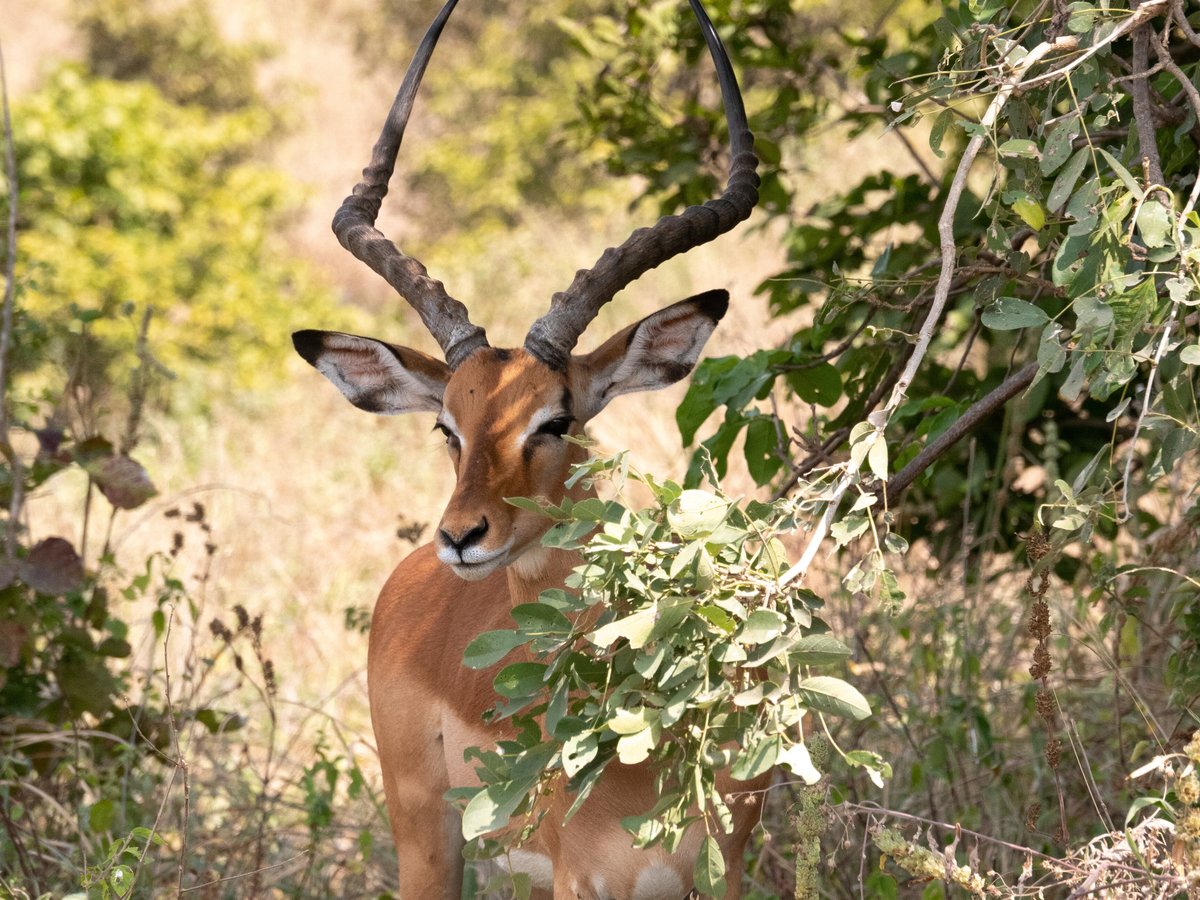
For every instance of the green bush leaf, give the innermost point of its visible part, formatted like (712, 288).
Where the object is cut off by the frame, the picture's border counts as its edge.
(709, 873)
(827, 694)
(1011, 313)
(820, 385)
(520, 680)
(491, 647)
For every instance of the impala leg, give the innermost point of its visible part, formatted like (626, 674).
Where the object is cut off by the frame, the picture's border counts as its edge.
(428, 843)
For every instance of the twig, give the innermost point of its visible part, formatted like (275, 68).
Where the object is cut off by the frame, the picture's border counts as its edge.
(1184, 25)
(1142, 14)
(258, 871)
(1147, 400)
(867, 809)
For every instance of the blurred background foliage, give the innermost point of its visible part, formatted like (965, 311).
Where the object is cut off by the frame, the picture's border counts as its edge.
(161, 616)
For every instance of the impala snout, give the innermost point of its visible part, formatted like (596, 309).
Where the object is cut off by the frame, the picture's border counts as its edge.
(465, 549)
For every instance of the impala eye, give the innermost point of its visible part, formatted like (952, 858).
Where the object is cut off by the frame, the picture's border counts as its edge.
(555, 427)
(451, 437)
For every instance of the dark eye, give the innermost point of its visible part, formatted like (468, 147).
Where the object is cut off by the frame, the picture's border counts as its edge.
(555, 427)
(451, 437)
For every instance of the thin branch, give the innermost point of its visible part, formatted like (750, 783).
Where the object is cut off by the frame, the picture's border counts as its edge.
(1143, 13)
(1143, 115)
(1184, 25)
(975, 414)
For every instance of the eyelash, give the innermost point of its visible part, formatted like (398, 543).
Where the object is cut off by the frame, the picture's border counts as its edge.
(451, 437)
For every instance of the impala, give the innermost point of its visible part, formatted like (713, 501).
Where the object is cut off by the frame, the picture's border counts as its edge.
(504, 413)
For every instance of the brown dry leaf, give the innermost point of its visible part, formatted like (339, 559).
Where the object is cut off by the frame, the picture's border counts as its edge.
(53, 567)
(122, 480)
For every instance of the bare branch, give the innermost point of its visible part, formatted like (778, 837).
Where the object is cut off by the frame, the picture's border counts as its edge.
(1143, 115)
(975, 414)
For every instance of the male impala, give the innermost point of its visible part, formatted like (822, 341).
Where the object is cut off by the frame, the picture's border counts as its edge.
(504, 413)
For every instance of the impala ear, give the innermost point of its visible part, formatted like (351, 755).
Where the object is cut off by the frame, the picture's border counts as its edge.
(378, 377)
(651, 354)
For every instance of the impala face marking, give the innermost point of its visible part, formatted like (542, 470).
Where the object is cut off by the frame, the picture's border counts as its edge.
(504, 414)
(498, 402)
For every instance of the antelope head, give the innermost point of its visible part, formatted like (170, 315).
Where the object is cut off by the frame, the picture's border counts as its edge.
(504, 412)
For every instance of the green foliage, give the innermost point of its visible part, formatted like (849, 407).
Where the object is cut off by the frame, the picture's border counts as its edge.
(674, 623)
(148, 243)
(131, 203)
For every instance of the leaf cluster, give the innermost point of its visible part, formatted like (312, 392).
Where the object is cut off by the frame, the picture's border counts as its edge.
(672, 643)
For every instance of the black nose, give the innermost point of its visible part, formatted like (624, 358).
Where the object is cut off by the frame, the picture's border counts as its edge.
(464, 540)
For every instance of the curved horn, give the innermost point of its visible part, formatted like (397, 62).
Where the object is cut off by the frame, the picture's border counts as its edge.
(553, 336)
(354, 222)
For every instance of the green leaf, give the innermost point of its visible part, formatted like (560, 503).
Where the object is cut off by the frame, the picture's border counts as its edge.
(761, 626)
(1051, 355)
(635, 628)
(1128, 180)
(697, 513)
(709, 873)
(1058, 145)
(818, 650)
(1092, 313)
(635, 748)
(937, 133)
(120, 879)
(1190, 355)
(799, 760)
(1154, 223)
(520, 680)
(718, 617)
(578, 751)
(101, 815)
(756, 759)
(631, 721)
(761, 449)
(1064, 184)
(1011, 313)
(1019, 147)
(493, 806)
(1031, 212)
(832, 695)
(540, 619)
(877, 458)
(1082, 18)
(491, 647)
(820, 385)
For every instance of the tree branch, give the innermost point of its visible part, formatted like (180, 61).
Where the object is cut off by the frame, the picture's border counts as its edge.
(1143, 114)
(975, 414)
